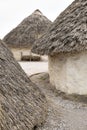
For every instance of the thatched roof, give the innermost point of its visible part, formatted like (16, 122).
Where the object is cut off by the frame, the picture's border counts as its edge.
(22, 104)
(68, 33)
(26, 33)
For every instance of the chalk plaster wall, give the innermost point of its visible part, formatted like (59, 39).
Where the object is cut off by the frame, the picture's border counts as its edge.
(68, 72)
(17, 52)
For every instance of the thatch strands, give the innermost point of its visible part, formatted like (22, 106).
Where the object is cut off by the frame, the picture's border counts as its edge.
(68, 33)
(30, 29)
(22, 104)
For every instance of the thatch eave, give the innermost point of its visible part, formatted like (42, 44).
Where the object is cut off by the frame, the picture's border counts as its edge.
(68, 33)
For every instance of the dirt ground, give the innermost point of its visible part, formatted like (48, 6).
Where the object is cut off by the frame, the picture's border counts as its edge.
(34, 67)
(63, 113)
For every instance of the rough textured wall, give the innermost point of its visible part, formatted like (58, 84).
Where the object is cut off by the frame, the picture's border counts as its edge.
(18, 52)
(68, 72)
(22, 105)
(44, 58)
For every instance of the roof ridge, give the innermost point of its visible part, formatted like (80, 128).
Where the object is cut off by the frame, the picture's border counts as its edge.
(38, 12)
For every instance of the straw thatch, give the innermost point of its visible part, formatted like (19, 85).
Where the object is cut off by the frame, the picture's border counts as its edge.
(68, 33)
(25, 34)
(22, 104)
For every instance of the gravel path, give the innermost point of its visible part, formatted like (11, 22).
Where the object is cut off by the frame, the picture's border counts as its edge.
(63, 114)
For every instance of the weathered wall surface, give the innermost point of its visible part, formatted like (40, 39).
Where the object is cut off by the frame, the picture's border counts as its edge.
(68, 72)
(44, 58)
(19, 52)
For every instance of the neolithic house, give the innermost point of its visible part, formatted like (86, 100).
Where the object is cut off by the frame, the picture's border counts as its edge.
(66, 45)
(21, 38)
(22, 105)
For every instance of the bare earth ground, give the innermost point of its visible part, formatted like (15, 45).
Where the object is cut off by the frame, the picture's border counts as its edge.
(34, 67)
(63, 114)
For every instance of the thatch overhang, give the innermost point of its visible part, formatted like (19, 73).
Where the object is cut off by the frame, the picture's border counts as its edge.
(22, 105)
(26, 33)
(68, 33)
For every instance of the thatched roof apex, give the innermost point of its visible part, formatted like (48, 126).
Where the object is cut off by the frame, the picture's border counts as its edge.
(68, 33)
(28, 31)
(37, 12)
(22, 104)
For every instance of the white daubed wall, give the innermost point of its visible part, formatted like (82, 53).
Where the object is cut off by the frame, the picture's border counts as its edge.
(68, 72)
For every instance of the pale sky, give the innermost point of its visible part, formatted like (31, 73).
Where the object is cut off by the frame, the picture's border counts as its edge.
(12, 12)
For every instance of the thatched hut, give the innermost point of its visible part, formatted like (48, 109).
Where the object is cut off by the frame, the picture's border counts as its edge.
(66, 45)
(21, 38)
(22, 104)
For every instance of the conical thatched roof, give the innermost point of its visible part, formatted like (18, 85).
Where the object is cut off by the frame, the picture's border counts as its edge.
(68, 33)
(25, 34)
(22, 105)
